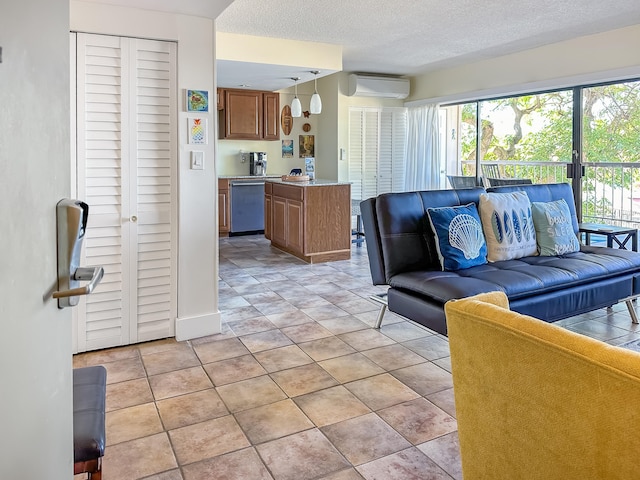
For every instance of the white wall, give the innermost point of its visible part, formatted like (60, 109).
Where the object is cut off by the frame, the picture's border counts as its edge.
(198, 313)
(35, 345)
(339, 126)
(605, 56)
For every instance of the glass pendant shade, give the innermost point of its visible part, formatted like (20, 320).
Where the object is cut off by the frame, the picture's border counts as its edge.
(296, 107)
(316, 104)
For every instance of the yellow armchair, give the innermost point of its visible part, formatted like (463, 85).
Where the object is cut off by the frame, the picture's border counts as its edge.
(536, 401)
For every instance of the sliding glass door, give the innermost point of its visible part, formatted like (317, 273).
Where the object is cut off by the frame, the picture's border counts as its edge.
(588, 136)
(610, 154)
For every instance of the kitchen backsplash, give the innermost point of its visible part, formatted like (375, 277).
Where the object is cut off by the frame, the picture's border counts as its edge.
(280, 158)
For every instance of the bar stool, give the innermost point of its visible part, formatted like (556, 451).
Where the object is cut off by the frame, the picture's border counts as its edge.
(358, 233)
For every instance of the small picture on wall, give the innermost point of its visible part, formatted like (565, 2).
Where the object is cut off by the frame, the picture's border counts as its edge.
(287, 148)
(197, 101)
(197, 131)
(306, 146)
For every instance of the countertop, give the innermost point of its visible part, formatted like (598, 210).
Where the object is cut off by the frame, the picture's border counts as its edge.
(264, 177)
(312, 183)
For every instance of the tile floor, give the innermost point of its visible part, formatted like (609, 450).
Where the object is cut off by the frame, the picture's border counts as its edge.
(297, 387)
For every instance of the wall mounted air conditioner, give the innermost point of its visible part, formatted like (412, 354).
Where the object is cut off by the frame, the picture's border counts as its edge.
(377, 86)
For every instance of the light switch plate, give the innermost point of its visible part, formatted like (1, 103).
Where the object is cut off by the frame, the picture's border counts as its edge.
(197, 160)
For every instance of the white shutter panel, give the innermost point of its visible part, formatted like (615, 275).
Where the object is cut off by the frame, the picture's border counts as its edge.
(398, 142)
(370, 153)
(126, 163)
(377, 150)
(154, 265)
(385, 158)
(356, 161)
(100, 120)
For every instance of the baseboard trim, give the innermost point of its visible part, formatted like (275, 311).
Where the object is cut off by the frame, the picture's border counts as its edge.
(200, 326)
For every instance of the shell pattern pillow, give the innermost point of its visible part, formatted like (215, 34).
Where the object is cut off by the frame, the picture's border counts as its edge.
(508, 225)
(459, 238)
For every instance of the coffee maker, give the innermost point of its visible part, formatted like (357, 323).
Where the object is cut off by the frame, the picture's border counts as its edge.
(258, 163)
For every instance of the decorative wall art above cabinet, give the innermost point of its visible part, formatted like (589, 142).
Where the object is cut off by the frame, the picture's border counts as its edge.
(248, 114)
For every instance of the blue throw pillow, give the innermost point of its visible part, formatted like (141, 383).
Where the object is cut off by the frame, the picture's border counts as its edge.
(459, 238)
(554, 229)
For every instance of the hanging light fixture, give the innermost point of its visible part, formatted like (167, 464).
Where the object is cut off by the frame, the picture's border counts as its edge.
(296, 106)
(316, 102)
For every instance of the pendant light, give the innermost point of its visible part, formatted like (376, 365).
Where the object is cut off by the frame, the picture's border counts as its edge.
(296, 106)
(316, 102)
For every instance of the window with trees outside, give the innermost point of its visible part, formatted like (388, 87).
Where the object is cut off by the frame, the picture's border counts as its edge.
(588, 136)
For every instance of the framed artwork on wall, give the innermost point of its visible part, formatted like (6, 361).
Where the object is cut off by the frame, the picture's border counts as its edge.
(287, 148)
(306, 145)
(197, 101)
(197, 131)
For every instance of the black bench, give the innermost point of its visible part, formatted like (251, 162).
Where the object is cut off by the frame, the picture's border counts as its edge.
(89, 398)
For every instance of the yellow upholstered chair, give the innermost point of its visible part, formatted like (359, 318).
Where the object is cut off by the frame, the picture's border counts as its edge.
(536, 401)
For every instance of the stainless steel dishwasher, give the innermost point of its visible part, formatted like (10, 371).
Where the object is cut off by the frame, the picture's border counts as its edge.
(247, 206)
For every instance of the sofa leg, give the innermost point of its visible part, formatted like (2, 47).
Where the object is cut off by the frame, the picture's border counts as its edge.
(632, 311)
(382, 300)
(383, 309)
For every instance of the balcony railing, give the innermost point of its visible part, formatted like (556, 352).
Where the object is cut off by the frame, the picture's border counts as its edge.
(610, 191)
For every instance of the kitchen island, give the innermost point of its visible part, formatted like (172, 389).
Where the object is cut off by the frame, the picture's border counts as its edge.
(311, 220)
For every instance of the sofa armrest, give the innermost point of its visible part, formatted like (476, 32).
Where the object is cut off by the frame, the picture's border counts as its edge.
(372, 238)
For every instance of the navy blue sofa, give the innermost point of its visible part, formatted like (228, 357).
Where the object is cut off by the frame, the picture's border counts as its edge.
(402, 255)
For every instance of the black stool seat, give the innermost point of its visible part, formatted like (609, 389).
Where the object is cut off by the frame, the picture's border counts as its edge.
(89, 398)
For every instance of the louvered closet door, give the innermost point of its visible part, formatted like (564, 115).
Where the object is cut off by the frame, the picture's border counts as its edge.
(126, 156)
(363, 152)
(376, 150)
(391, 164)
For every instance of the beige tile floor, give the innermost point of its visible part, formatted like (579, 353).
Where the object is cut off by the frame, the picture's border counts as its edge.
(297, 387)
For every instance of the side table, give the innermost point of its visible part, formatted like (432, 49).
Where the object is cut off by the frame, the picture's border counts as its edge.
(620, 235)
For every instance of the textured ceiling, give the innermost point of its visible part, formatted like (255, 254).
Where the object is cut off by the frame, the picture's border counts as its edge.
(413, 36)
(401, 37)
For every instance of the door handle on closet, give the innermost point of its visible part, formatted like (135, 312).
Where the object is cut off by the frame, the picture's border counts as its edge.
(93, 274)
(134, 219)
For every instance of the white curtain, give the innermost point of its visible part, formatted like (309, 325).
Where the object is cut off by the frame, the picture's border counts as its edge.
(422, 148)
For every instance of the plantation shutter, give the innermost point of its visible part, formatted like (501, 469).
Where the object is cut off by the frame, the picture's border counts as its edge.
(376, 150)
(126, 156)
(156, 159)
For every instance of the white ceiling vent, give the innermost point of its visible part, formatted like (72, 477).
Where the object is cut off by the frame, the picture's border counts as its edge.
(377, 86)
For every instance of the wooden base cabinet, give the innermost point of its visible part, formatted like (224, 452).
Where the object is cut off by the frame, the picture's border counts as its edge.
(312, 222)
(224, 208)
(268, 222)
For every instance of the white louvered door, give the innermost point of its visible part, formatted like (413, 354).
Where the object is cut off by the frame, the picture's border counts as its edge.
(376, 150)
(126, 158)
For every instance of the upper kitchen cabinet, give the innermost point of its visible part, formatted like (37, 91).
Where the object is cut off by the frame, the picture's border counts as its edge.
(271, 112)
(249, 115)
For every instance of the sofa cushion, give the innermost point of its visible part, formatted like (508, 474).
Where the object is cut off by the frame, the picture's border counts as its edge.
(554, 230)
(459, 239)
(508, 226)
(521, 278)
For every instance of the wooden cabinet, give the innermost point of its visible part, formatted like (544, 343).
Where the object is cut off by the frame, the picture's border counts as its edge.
(249, 115)
(312, 222)
(295, 226)
(220, 99)
(271, 117)
(224, 208)
(268, 223)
